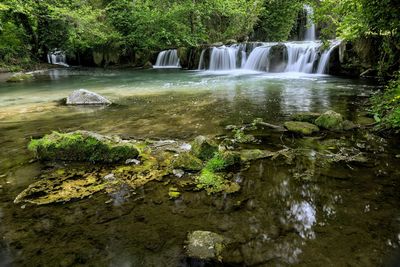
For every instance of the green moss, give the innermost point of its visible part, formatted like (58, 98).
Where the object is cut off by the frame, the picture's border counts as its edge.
(300, 127)
(203, 148)
(222, 161)
(81, 146)
(210, 181)
(188, 162)
(330, 120)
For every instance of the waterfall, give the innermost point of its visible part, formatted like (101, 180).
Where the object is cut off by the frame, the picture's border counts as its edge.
(201, 63)
(310, 32)
(57, 58)
(324, 60)
(168, 59)
(259, 59)
(302, 56)
(223, 58)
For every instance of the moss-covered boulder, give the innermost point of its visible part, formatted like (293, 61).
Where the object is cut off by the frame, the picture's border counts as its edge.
(203, 148)
(300, 127)
(330, 120)
(205, 245)
(82, 146)
(188, 162)
(20, 77)
(305, 117)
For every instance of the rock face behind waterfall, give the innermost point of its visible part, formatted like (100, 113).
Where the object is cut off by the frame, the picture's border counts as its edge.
(85, 97)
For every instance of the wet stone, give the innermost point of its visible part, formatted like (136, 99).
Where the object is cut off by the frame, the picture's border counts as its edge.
(299, 127)
(85, 97)
(203, 148)
(330, 120)
(205, 245)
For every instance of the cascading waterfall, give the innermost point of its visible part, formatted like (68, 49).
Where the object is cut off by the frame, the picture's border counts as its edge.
(324, 60)
(168, 59)
(310, 32)
(302, 56)
(305, 56)
(57, 58)
(258, 59)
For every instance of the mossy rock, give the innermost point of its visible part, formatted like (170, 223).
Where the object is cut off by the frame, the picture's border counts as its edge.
(205, 245)
(203, 148)
(188, 162)
(223, 161)
(20, 77)
(82, 146)
(254, 154)
(63, 185)
(305, 117)
(300, 127)
(330, 120)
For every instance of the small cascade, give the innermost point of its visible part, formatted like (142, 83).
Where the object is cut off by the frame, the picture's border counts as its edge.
(168, 59)
(258, 59)
(302, 56)
(201, 63)
(310, 34)
(57, 58)
(223, 58)
(326, 55)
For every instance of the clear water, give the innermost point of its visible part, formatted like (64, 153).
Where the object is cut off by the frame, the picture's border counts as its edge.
(349, 217)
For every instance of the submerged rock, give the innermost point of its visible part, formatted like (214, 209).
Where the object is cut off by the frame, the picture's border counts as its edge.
(254, 154)
(300, 127)
(20, 77)
(330, 120)
(203, 148)
(305, 117)
(85, 97)
(82, 146)
(63, 185)
(205, 245)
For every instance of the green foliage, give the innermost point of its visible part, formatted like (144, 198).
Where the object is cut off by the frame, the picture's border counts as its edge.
(386, 106)
(359, 19)
(277, 19)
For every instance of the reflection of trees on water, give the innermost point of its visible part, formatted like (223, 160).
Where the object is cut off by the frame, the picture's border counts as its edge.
(292, 207)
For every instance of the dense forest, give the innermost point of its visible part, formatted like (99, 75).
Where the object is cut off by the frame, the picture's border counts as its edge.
(105, 31)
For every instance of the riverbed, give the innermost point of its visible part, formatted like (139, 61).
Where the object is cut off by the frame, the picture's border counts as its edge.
(348, 216)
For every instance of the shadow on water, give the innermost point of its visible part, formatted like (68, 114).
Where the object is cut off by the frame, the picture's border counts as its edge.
(347, 216)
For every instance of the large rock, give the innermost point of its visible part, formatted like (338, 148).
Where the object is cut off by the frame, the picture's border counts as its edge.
(85, 97)
(203, 148)
(300, 127)
(330, 120)
(205, 245)
(82, 146)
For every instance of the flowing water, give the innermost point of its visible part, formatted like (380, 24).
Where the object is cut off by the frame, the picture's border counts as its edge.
(167, 59)
(347, 217)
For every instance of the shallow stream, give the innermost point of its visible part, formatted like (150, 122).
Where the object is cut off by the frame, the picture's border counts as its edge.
(348, 215)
